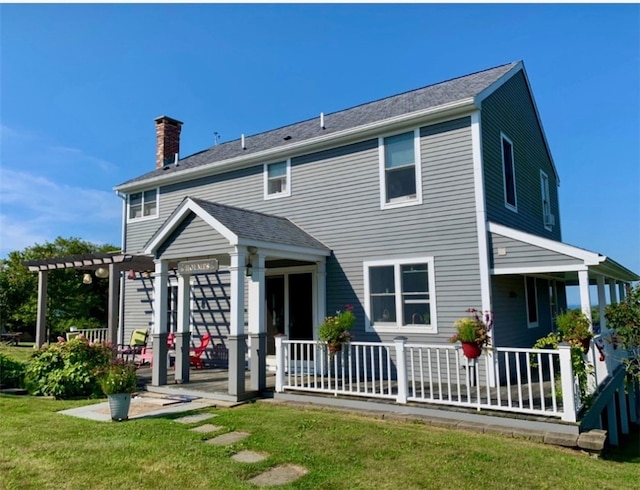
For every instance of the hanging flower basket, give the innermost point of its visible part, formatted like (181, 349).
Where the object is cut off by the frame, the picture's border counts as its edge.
(471, 350)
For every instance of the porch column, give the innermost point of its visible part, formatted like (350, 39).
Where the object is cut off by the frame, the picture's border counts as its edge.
(602, 301)
(113, 306)
(621, 291)
(159, 370)
(321, 294)
(257, 324)
(237, 338)
(41, 321)
(585, 298)
(613, 292)
(183, 334)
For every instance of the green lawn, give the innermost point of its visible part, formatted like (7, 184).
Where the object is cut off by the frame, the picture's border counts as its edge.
(21, 352)
(42, 449)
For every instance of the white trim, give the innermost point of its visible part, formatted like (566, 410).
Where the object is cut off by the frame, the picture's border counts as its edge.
(265, 171)
(417, 165)
(432, 328)
(421, 117)
(508, 205)
(185, 207)
(142, 218)
(545, 194)
(481, 213)
(538, 270)
(590, 258)
(535, 324)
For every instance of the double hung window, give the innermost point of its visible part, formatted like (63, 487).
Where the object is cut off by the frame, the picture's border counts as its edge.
(400, 295)
(547, 217)
(508, 174)
(400, 169)
(277, 179)
(143, 205)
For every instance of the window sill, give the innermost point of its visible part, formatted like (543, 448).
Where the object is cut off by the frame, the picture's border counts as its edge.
(430, 329)
(143, 218)
(401, 203)
(268, 197)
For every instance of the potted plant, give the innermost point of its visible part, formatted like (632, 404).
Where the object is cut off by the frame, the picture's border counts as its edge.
(118, 382)
(335, 329)
(473, 332)
(575, 328)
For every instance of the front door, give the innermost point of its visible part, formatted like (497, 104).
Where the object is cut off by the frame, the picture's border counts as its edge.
(289, 307)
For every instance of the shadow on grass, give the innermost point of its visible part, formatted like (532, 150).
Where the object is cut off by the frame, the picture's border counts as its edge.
(629, 449)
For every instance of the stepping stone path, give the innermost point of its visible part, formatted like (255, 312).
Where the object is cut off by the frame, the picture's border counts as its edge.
(278, 475)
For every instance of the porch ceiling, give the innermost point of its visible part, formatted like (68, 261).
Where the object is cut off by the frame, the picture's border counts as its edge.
(518, 252)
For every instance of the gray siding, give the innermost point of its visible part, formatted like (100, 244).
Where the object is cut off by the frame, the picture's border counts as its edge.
(521, 254)
(335, 196)
(510, 110)
(193, 238)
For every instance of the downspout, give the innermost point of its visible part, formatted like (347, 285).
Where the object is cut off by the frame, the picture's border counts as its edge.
(123, 244)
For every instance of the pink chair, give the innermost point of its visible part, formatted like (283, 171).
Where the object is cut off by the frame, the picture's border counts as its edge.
(194, 355)
(146, 355)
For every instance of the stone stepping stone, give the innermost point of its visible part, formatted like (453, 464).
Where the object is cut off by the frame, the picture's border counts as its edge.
(279, 475)
(228, 438)
(207, 428)
(191, 419)
(249, 457)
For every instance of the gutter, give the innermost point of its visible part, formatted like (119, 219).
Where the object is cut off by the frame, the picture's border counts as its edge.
(446, 111)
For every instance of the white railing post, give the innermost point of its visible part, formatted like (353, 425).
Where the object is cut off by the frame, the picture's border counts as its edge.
(401, 369)
(567, 383)
(280, 362)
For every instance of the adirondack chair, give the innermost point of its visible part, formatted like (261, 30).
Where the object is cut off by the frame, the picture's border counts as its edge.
(194, 354)
(137, 342)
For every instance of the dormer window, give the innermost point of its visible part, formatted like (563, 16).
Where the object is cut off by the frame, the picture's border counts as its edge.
(400, 170)
(508, 174)
(143, 205)
(277, 179)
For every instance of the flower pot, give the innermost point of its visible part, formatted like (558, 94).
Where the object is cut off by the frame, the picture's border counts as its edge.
(335, 347)
(585, 343)
(471, 350)
(119, 406)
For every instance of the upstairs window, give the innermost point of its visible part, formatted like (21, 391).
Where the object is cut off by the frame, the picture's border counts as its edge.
(508, 173)
(400, 169)
(548, 219)
(400, 295)
(143, 205)
(277, 178)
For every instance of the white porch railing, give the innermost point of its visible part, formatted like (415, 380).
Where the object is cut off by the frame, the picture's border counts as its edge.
(531, 381)
(94, 334)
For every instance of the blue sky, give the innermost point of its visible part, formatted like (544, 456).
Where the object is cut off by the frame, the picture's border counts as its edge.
(80, 86)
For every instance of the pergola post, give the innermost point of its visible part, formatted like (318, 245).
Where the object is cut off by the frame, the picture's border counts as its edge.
(183, 335)
(41, 321)
(113, 306)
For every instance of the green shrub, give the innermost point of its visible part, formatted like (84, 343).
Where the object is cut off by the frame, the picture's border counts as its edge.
(11, 372)
(67, 369)
(624, 319)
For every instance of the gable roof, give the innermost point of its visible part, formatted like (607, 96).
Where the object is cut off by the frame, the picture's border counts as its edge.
(432, 98)
(240, 227)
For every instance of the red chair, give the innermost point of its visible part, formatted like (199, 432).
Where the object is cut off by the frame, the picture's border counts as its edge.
(146, 355)
(194, 354)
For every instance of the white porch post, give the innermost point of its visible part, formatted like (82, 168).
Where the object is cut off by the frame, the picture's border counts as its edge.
(321, 294)
(257, 323)
(41, 321)
(602, 301)
(621, 292)
(159, 370)
(237, 338)
(183, 335)
(113, 307)
(601, 367)
(280, 362)
(613, 292)
(585, 297)
(401, 369)
(568, 386)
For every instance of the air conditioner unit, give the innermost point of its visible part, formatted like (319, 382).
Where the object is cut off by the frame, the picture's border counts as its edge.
(549, 220)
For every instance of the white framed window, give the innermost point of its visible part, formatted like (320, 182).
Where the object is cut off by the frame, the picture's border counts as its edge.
(277, 179)
(548, 219)
(142, 205)
(531, 294)
(508, 173)
(400, 295)
(400, 174)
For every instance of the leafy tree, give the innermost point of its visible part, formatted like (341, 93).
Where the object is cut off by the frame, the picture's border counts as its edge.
(68, 298)
(624, 319)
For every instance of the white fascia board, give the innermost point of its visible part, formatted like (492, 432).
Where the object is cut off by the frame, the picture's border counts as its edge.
(589, 258)
(294, 252)
(186, 207)
(501, 81)
(445, 111)
(501, 271)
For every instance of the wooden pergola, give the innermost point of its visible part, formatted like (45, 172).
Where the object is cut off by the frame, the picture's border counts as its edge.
(115, 262)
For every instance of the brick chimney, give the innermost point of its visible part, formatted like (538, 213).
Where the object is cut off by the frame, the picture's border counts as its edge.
(168, 140)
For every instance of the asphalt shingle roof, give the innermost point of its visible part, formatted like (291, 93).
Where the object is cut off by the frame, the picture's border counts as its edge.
(253, 225)
(423, 98)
